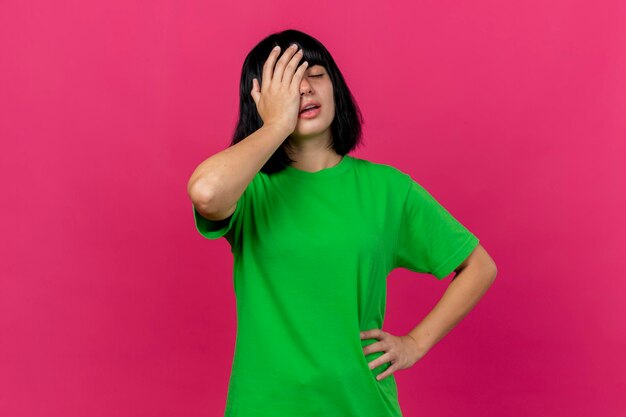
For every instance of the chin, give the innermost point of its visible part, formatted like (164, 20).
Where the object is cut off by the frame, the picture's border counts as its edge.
(309, 131)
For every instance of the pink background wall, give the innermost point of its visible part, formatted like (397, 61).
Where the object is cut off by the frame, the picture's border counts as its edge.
(511, 113)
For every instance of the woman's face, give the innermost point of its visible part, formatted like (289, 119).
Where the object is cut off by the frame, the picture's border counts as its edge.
(316, 86)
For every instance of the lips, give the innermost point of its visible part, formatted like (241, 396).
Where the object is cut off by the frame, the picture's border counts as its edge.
(309, 104)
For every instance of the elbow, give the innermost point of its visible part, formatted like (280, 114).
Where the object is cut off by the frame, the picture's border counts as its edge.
(195, 187)
(201, 195)
(492, 271)
(488, 266)
(207, 203)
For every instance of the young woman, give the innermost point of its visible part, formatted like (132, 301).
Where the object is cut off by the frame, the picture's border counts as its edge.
(314, 233)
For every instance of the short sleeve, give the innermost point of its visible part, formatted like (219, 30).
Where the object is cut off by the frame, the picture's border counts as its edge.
(229, 227)
(430, 240)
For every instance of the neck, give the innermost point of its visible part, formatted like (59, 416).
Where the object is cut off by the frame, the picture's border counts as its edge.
(313, 157)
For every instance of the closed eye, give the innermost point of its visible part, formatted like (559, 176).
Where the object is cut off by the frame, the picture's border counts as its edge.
(318, 75)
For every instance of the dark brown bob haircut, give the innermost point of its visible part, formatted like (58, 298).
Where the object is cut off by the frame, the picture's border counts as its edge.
(346, 126)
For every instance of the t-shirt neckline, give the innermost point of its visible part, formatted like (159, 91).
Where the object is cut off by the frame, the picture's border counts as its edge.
(337, 169)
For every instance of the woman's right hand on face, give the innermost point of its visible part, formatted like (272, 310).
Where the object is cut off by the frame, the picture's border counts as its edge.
(278, 99)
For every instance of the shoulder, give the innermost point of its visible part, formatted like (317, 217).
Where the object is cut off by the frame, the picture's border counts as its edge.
(384, 171)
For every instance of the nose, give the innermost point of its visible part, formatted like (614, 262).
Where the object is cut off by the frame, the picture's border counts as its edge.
(305, 86)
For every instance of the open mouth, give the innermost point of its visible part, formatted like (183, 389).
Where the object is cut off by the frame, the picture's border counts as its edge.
(309, 109)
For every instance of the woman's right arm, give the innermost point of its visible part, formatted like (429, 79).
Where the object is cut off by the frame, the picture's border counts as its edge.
(217, 183)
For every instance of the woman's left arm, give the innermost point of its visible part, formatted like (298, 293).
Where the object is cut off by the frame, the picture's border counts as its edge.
(472, 279)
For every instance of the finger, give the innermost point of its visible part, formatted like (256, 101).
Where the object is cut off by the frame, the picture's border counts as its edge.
(268, 68)
(282, 61)
(291, 67)
(378, 346)
(297, 77)
(387, 372)
(381, 360)
(365, 334)
(373, 333)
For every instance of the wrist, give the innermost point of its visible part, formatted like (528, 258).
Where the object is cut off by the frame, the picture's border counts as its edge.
(277, 130)
(422, 344)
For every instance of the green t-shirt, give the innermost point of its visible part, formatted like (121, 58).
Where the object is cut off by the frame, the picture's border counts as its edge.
(312, 251)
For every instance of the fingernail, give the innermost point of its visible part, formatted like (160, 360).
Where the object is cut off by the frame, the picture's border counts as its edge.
(276, 48)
